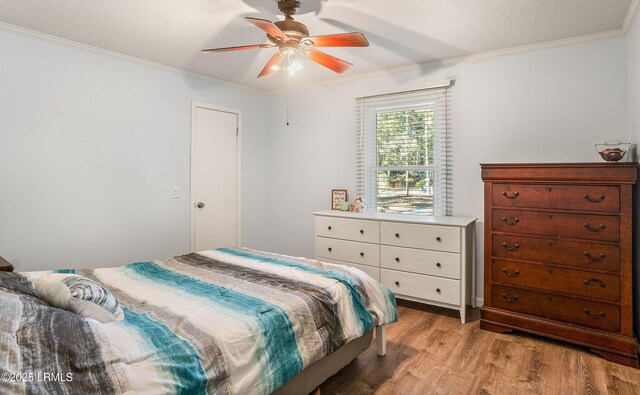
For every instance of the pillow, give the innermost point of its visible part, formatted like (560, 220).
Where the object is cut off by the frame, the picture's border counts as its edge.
(79, 295)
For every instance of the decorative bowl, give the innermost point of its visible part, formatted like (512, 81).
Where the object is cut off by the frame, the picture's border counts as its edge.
(612, 151)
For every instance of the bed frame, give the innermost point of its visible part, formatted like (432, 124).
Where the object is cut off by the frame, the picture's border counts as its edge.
(313, 375)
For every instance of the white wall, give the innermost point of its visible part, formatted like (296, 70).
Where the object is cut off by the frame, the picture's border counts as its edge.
(633, 92)
(633, 56)
(91, 146)
(544, 105)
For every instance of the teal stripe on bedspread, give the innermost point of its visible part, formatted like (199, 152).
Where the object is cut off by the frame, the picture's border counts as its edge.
(277, 332)
(67, 271)
(175, 356)
(363, 315)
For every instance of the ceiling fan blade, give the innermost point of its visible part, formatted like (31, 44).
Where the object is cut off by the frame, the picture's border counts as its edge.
(267, 26)
(341, 40)
(239, 48)
(274, 61)
(328, 61)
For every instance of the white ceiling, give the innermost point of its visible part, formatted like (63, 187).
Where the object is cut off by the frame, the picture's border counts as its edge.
(400, 32)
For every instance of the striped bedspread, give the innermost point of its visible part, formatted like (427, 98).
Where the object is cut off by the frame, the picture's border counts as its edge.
(226, 321)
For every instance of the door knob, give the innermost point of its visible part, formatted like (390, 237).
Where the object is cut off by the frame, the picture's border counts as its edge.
(200, 205)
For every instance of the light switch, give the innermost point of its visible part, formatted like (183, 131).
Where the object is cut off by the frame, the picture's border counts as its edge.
(176, 192)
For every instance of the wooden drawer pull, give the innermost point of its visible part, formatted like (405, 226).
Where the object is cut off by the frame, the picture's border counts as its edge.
(397, 283)
(512, 248)
(397, 235)
(596, 259)
(438, 290)
(515, 273)
(600, 228)
(438, 239)
(362, 254)
(512, 300)
(595, 280)
(397, 259)
(438, 264)
(515, 195)
(361, 231)
(595, 317)
(511, 222)
(329, 249)
(329, 227)
(594, 200)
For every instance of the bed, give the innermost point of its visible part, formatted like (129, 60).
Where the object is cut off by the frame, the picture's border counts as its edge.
(225, 321)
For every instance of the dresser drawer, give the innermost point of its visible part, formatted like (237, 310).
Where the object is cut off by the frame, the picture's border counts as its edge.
(373, 272)
(436, 289)
(581, 226)
(566, 197)
(442, 264)
(430, 237)
(588, 255)
(348, 251)
(597, 315)
(348, 229)
(548, 278)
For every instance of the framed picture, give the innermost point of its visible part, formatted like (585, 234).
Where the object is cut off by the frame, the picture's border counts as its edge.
(338, 196)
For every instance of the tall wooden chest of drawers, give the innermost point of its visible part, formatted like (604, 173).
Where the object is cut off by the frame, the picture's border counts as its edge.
(420, 258)
(558, 254)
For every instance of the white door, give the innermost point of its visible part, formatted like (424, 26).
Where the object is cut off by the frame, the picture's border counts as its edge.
(215, 178)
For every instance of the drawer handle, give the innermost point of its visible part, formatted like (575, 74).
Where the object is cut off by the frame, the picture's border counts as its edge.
(595, 259)
(600, 228)
(361, 231)
(594, 200)
(515, 195)
(510, 222)
(397, 235)
(362, 254)
(397, 283)
(438, 290)
(328, 227)
(513, 300)
(329, 249)
(513, 248)
(595, 280)
(438, 239)
(397, 259)
(595, 317)
(515, 273)
(438, 264)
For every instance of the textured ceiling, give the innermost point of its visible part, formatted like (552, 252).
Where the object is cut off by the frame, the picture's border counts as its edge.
(401, 32)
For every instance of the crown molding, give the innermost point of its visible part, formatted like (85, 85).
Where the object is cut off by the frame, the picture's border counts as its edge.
(632, 15)
(87, 47)
(459, 59)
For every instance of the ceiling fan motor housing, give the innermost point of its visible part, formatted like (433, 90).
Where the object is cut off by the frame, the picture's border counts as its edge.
(294, 30)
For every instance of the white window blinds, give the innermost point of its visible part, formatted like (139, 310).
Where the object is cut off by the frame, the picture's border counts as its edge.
(403, 153)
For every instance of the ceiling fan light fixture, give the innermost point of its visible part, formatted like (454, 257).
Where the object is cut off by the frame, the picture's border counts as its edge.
(291, 64)
(294, 67)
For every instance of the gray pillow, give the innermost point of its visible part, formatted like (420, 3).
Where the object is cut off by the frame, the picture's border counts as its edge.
(79, 295)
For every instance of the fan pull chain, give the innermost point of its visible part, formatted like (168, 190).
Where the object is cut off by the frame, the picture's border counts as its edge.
(287, 98)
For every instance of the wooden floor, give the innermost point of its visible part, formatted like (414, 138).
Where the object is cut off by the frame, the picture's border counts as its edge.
(430, 352)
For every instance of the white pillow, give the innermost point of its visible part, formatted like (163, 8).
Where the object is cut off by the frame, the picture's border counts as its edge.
(79, 295)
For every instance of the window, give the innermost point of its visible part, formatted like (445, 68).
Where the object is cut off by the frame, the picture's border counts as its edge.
(403, 152)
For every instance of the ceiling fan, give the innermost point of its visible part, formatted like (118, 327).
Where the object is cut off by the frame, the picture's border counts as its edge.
(292, 37)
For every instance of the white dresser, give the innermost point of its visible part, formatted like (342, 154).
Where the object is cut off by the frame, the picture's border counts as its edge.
(424, 259)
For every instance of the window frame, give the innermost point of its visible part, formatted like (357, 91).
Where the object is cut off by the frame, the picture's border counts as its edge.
(441, 167)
